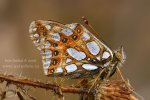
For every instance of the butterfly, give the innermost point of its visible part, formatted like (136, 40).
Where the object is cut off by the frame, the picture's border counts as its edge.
(71, 50)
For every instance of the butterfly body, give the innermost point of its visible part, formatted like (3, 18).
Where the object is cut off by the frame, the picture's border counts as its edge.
(71, 50)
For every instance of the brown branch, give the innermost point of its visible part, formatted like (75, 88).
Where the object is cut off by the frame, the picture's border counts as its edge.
(114, 90)
(38, 84)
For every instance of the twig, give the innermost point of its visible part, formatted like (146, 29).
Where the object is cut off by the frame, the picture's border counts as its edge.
(38, 84)
(110, 90)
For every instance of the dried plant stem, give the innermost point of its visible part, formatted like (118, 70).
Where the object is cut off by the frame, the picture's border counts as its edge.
(109, 91)
(38, 84)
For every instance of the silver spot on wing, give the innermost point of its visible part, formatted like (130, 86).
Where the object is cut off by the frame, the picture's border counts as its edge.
(71, 68)
(85, 36)
(72, 26)
(59, 70)
(55, 36)
(106, 64)
(68, 60)
(48, 27)
(46, 64)
(47, 44)
(32, 27)
(36, 35)
(67, 31)
(76, 54)
(98, 58)
(105, 55)
(89, 67)
(93, 47)
(46, 24)
(46, 54)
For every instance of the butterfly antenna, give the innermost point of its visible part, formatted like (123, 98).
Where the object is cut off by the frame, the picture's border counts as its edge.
(87, 23)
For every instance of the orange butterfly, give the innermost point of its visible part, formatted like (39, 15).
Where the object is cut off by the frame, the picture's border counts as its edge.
(71, 50)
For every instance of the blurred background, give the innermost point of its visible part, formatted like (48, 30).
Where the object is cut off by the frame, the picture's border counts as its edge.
(120, 22)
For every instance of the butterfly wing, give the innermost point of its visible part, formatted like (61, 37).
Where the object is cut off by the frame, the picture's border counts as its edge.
(69, 49)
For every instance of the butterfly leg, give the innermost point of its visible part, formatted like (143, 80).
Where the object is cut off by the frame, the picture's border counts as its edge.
(127, 83)
(123, 79)
(94, 81)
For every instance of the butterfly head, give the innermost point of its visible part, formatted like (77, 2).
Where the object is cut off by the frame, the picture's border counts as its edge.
(118, 59)
(120, 55)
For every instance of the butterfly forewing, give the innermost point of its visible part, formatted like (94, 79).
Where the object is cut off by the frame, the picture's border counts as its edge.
(68, 49)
